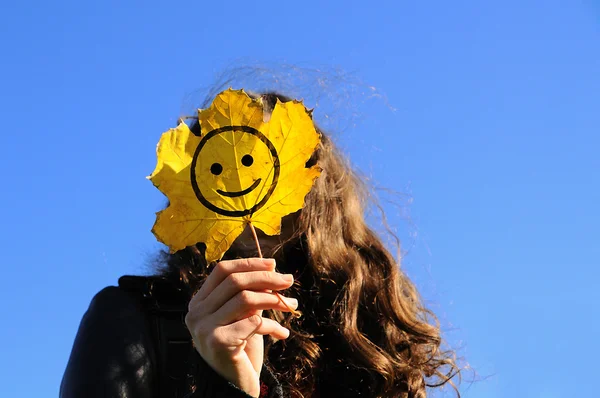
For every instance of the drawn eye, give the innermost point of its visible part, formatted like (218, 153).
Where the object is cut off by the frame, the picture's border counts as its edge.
(216, 169)
(247, 160)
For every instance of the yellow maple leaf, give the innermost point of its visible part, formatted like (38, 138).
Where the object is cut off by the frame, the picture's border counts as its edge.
(240, 170)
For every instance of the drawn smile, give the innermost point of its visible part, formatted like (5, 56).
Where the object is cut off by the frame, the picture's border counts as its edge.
(239, 193)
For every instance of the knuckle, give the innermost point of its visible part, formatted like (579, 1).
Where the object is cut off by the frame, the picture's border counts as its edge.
(192, 304)
(245, 298)
(230, 266)
(213, 339)
(236, 281)
(193, 324)
(255, 320)
(246, 263)
(267, 275)
(220, 268)
(195, 327)
(188, 320)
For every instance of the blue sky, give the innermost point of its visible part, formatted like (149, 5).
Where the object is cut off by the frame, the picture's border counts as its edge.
(484, 115)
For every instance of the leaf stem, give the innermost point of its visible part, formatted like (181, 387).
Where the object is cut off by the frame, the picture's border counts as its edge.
(255, 239)
(293, 311)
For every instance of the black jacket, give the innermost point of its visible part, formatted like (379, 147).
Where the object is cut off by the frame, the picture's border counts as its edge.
(119, 351)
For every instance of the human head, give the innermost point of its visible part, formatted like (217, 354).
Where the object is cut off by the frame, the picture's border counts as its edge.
(350, 286)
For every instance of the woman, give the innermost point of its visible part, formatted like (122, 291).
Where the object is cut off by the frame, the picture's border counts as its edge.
(363, 332)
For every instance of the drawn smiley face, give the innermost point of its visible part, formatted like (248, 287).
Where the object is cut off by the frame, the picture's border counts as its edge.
(234, 170)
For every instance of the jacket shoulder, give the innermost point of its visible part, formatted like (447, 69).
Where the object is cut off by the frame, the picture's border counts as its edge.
(112, 354)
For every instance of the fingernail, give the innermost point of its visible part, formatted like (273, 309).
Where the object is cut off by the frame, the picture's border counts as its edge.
(289, 278)
(269, 261)
(292, 302)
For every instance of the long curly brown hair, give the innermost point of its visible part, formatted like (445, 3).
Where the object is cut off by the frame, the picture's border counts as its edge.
(364, 328)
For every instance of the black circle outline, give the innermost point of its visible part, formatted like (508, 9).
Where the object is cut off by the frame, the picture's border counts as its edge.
(276, 167)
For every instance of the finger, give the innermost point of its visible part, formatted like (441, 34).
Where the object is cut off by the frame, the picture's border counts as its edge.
(239, 281)
(237, 333)
(248, 302)
(224, 268)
